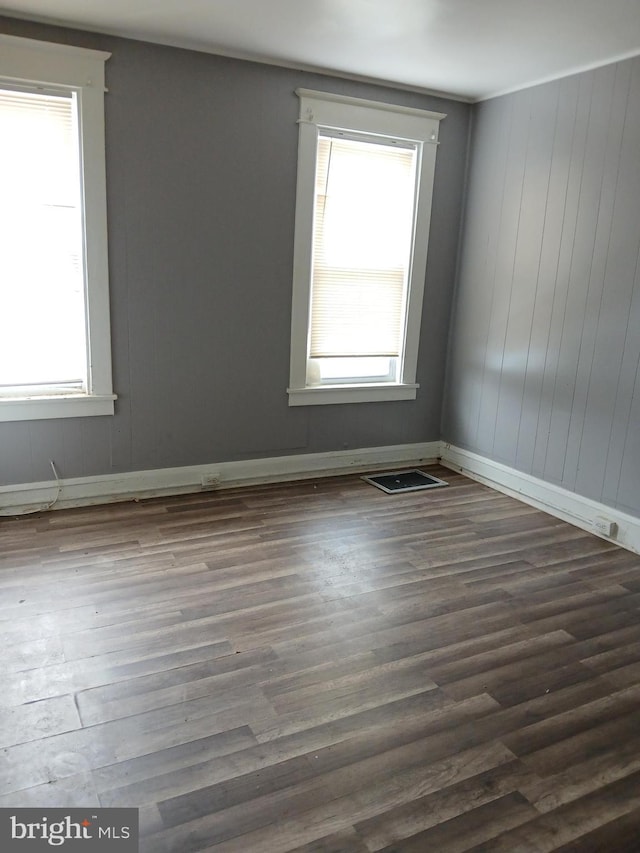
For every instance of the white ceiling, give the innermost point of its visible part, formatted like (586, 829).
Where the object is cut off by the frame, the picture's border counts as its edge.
(472, 49)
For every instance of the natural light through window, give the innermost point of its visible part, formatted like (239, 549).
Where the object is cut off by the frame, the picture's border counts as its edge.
(42, 329)
(363, 224)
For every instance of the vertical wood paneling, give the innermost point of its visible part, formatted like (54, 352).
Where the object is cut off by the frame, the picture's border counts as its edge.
(478, 255)
(503, 273)
(572, 164)
(544, 319)
(627, 493)
(613, 118)
(487, 212)
(559, 384)
(577, 325)
(618, 348)
(523, 286)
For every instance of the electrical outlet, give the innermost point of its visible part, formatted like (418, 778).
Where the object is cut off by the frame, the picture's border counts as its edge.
(210, 481)
(604, 526)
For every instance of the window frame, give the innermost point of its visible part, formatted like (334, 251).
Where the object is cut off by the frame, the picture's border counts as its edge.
(325, 111)
(30, 63)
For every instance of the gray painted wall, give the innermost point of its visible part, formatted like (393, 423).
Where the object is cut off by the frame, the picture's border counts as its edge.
(201, 162)
(545, 343)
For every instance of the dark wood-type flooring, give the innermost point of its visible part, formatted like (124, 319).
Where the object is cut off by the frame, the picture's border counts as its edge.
(321, 667)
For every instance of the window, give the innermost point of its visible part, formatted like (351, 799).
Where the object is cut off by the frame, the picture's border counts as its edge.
(363, 206)
(55, 358)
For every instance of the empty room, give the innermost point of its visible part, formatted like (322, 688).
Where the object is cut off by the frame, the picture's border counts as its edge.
(320, 426)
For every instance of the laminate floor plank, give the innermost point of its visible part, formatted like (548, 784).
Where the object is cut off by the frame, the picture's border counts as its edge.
(343, 738)
(566, 724)
(338, 842)
(548, 792)
(318, 667)
(333, 810)
(58, 756)
(43, 680)
(583, 745)
(75, 791)
(38, 720)
(142, 768)
(462, 832)
(406, 821)
(569, 823)
(620, 835)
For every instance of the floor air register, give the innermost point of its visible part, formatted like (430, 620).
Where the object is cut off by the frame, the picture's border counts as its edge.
(394, 482)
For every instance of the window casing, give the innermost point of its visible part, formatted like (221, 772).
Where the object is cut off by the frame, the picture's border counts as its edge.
(55, 356)
(363, 206)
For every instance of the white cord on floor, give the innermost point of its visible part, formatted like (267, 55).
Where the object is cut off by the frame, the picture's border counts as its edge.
(43, 508)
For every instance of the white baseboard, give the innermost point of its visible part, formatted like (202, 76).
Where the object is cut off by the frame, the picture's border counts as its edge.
(553, 499)
(109, 488)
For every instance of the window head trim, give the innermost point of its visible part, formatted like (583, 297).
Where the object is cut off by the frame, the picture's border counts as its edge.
(30, 61)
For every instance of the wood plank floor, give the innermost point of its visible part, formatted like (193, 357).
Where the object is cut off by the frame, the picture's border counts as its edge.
(321, 667)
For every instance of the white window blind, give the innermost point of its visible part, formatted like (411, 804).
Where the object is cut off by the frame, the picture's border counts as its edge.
(42, 310)
(363, 228)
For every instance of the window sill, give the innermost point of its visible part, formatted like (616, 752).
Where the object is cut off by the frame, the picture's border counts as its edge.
(322, 395)
(46, 408)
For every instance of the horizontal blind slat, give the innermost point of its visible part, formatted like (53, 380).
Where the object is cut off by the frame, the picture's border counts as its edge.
(362, 231)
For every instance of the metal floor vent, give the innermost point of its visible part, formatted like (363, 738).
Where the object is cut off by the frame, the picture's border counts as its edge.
(404, 481)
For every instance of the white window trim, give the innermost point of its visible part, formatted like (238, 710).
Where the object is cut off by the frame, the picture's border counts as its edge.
(324, 110)
(81, 70)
